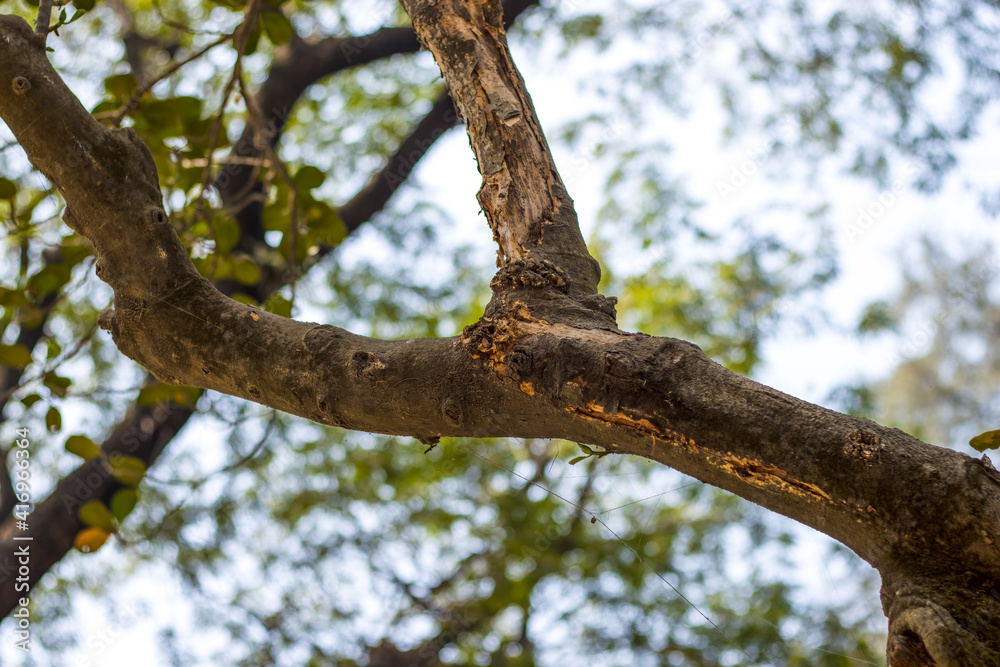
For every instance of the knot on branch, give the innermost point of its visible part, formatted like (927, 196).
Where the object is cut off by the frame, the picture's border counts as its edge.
(603, 304)
(321, 337)
(20, 85)
(520, 362)
(490, 338)
(530, 273)
(864, 445)
(451, 410)
(367, 365)
(941, 622)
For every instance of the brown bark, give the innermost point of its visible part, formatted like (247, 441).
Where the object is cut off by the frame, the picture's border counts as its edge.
(146, 430)
(546, 360)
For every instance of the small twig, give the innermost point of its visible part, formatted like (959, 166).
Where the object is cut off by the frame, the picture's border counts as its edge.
(241, 36)
(257, 122)
(117, 116)
(44, 19)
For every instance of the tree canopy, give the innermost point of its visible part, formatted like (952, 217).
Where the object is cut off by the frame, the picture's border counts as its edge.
(487, 454)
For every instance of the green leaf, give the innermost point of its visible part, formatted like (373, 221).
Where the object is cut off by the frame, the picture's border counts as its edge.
(73, 252)
(56, 384)
(76, 15)
(128, 470)
(14, 356)
(172, 116)
(984, 441)
(182, 395)
(275, 217)
(252, 40)
(308, 177)
(51, 278)
(587, 453)
(277, 26)
(30, 400)
(85, 5)
(123, 502)
(53, 420)
(105, 106)
(12, 298)
(227, 234)
(325, 220)
(7, 188)
(83, 447)
(278, 305)
(94, 513)
(121, 86)
(246, 271)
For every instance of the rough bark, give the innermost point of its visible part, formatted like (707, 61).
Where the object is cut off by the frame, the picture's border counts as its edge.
(146, 430)
(546, 360)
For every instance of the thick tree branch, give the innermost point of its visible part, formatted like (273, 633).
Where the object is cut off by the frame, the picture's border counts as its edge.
(57, 519)
(570, 374)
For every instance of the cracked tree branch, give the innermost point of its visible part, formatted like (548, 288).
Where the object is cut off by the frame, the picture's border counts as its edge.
(546, 360)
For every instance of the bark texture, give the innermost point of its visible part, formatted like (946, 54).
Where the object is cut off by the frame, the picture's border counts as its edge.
(546, 359)
(146, 430)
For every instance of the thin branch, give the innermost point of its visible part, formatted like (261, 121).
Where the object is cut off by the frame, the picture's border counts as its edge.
(257, 121)
(119, 114)
(44, 19)
(242, 35)
(373, 196)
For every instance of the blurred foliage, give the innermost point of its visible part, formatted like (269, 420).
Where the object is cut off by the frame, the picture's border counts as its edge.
(939, 330)
(302, 545)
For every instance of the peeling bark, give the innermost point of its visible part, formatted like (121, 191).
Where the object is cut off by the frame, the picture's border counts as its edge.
(546, 360)
(522, 194)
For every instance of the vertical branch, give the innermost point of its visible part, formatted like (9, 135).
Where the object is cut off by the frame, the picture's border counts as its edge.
(256, 119)
(44, 19)
(522, 194)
